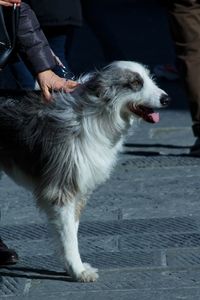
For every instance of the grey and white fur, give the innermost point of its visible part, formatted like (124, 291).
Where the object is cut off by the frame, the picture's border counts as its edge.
(63, 150)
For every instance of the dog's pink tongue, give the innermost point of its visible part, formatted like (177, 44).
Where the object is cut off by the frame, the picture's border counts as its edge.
(153, 117)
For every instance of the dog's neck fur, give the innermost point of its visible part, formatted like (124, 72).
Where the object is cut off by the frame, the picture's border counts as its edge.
(97, 145)
(97, 116)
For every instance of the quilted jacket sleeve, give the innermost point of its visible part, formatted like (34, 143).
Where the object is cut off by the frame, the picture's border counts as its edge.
(32, 43)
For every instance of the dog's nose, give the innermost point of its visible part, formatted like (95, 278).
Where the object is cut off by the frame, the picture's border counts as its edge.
(165, 100)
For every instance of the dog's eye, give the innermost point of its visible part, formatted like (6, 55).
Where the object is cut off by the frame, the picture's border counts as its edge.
(127, 85)
(137, 84)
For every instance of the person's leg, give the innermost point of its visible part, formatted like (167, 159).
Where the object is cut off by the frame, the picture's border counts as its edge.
(100, 25)
(22, 76)
(184, 17)
(57, 37)
(7, 81)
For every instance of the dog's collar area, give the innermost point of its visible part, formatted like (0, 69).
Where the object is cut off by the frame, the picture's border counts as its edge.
(146, 113)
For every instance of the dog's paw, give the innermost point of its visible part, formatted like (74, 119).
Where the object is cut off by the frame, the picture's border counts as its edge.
(90, 274)
(89, 267)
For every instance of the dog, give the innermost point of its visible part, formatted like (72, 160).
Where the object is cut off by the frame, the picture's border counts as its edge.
(63, 150)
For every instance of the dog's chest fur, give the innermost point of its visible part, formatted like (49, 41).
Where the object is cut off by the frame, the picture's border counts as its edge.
(96, 158)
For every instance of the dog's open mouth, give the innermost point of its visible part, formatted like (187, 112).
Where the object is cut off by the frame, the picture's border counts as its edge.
(146, 113)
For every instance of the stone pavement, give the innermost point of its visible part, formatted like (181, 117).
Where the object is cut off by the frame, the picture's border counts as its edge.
(141, 228)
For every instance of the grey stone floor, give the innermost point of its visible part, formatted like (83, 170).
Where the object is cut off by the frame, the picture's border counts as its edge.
(141, 228)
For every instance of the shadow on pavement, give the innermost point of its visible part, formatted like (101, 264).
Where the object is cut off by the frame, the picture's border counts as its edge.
(32, 273)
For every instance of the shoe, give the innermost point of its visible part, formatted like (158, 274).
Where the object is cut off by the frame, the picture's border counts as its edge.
(167, 71)
(7, 256)
(195, 149)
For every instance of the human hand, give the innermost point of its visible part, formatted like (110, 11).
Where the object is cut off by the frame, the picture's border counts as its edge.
(10, 2)
(49, 81)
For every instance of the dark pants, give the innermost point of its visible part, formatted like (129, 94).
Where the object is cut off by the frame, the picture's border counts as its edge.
(184, 20)
(101, 27)
(60, 41)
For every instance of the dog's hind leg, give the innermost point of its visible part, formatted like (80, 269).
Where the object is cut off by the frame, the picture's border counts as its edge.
(64, 220)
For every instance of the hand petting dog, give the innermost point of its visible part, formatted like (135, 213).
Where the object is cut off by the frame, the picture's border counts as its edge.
(49, 81)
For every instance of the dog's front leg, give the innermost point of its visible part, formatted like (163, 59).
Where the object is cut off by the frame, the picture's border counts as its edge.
(64, 220)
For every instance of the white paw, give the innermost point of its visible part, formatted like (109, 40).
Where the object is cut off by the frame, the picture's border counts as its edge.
(89, 267)
(89, 274)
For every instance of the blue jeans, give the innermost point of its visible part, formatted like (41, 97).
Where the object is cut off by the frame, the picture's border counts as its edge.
(60, 41)
(22, 76)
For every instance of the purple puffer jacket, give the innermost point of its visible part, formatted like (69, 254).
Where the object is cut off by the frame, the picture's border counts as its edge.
(32, 43)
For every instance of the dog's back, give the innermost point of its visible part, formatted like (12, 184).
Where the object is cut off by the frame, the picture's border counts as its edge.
(53, 143)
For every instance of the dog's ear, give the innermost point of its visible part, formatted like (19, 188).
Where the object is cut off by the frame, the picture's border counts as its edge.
(92, 85)
(98, 86)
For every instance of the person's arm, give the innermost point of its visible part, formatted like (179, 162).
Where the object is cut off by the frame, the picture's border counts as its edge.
(35, 51)
(32, 43)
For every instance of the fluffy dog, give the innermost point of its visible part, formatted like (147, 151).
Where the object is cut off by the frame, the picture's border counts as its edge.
(63, 150)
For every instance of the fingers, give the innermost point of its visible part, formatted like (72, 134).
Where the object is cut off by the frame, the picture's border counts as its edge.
(9, 3)
(49, 82)
(57, 83)
(60, 84)
(6, 3)
(46, 92)
(70, 85)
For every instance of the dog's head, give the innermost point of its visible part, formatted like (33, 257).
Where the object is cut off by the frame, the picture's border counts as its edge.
(127, 87)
